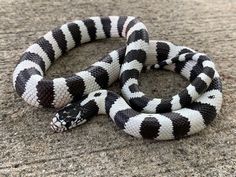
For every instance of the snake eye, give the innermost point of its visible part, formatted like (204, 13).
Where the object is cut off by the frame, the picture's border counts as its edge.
(211, 96)
(97, 94)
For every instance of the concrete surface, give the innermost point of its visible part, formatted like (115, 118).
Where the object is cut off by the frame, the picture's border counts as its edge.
(28, 147)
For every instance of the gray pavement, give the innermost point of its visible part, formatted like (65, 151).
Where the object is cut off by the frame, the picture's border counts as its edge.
(28, 146)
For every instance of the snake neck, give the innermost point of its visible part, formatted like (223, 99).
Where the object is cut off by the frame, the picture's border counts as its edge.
(105, 102)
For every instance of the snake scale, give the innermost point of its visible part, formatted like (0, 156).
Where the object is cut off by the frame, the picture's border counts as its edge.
(83, 94)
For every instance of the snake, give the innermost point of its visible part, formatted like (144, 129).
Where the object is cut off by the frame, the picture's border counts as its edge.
(84, 94)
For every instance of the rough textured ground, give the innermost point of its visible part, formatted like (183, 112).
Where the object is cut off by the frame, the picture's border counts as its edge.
(28, 147)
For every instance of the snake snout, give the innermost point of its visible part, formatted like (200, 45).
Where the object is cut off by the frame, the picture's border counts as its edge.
(57, 124)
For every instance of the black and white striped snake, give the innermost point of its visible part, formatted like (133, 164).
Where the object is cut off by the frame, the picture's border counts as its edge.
(141, 116)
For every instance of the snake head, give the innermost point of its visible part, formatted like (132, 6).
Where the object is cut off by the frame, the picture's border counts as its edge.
(68, 117)
(77, 113)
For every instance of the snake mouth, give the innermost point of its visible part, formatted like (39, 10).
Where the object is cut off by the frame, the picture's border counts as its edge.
(57, 125)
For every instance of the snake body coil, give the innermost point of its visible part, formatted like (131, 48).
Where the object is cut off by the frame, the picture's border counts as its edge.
(183, 114)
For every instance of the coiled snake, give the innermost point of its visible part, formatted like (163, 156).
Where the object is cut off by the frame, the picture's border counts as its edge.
(183, 114)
